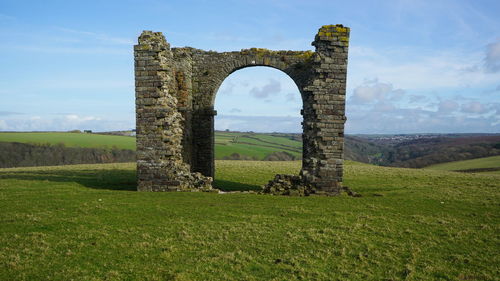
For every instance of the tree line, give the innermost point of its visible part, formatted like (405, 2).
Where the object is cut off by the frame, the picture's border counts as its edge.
(13, 154)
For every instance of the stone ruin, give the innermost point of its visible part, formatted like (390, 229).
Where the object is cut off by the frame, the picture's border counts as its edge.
(175, 94)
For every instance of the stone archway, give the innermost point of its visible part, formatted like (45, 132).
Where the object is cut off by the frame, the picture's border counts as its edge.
(175, 93)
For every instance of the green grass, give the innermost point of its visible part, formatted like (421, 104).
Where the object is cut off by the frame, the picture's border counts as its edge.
(85, 222)
(71, 139)
(226, 143)
(254, 145)
(479, 163)
(241, 175)
(259, 152)
(280, 140)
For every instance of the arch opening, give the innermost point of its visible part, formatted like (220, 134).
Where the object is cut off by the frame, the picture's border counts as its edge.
(258, 119)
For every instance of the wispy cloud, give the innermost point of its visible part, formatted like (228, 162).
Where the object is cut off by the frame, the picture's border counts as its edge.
(49, 49)
(64, 123)
(271, 88)
(448, 106)
(492, 58)
(290, 97)
(475, 107)
(4, 17)
(374, 91)
(102, 37)
(8, 113)
(265, 124)
(415, 68)
(381, 115)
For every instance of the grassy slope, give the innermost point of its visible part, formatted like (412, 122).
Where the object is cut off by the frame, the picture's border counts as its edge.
(71, 139)
(83, 223)
(486, 162)
(223, 147)
(253, 145)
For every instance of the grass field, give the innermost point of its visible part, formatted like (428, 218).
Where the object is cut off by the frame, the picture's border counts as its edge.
(479, 163)
(71, 139)
(85, 222)
(253, 145)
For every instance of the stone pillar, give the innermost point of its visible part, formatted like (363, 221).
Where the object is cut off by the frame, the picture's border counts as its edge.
(204, 142)
(160, 164)
(324, 111)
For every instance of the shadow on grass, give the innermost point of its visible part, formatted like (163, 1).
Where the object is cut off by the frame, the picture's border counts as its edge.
(115, 179)
(98, 179)
(225, 185)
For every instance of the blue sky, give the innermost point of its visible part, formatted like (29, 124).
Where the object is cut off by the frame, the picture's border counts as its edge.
(414, 66)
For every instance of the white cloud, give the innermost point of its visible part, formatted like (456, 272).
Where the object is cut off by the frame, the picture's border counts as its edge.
(447, 106)
(68, 81)
(412, 68)
(226, 88)
(475, 107)
(67, 50)
(271, 88)
(290, 97)
(7, 113)
(65, 123)
(373, 108)
(374, 91)
(417, 98)
(102, 37)
(492, 58)
(407, 120)
(3, 125)
(268, 124)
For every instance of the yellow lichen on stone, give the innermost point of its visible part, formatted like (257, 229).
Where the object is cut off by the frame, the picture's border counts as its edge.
(306, 56)
(333, 30)
(344, 39)
(142, 47)
(260, 52)
(341, 29)
(330, 26)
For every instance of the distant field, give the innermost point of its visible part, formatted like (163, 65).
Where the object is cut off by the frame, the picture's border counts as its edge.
(256, 146)
(86, 222)
(71, 139)
(253, 145)
(473, 164)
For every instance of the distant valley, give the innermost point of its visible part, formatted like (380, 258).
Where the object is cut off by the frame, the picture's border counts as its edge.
(411, 151)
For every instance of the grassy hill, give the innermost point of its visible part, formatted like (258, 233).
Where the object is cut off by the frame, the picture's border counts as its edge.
(486, 164)
(85, 222)
(249, 145)
(70, 139)
(412, 151)
(254, 145)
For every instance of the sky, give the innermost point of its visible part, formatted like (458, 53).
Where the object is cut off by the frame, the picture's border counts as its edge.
(415, 66)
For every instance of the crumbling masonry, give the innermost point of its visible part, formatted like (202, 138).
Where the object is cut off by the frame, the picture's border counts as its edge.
(175, 94)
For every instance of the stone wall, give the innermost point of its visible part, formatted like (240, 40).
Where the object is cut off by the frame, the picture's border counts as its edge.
(161, 124)
(175, 94)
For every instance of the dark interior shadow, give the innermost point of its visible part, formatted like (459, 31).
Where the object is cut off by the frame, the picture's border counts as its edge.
(225, 185)
(115, 179)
